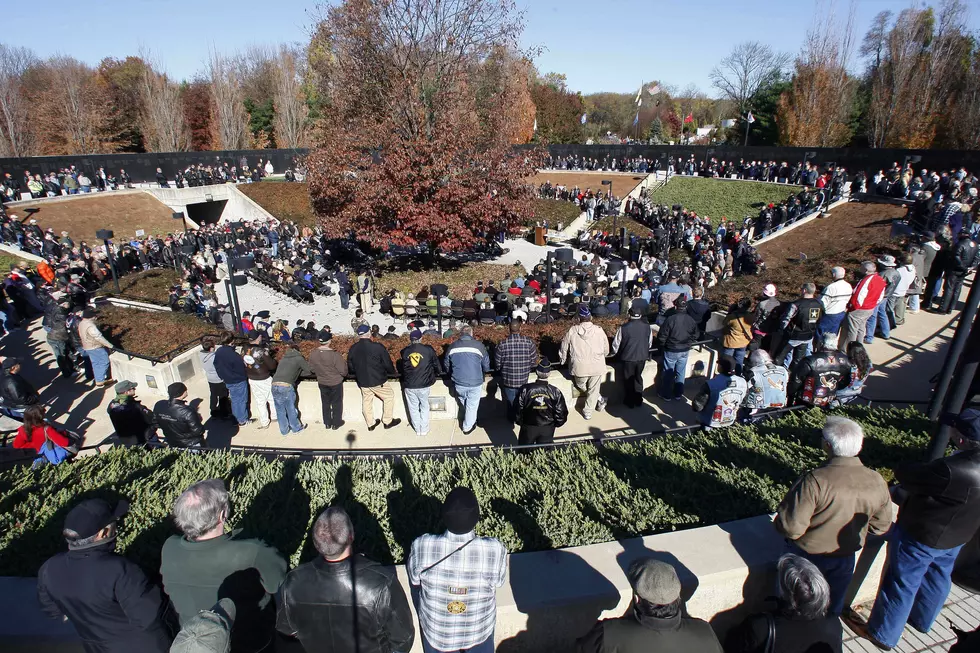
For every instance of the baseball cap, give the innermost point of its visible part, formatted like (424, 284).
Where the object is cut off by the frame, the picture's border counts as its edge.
(92, 515)
(9, 363)
(415, 334)
(125, 386)
(361, 330)
(769, 290)
(654, 581)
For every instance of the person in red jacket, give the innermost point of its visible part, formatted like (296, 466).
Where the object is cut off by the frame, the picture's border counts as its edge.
(31, 435)
(868, 293)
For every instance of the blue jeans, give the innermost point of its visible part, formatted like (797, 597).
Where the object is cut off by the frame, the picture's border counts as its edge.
(100, 362)
(510, 396)
(673, 372)
(275, 249)
(239, 401)
(737, 354)
(829, 324)
(913, 303)
(795, 353)
(417, 403)
(344, 299)
(879, 319)
(838, 570)
(915, 587)
(284, 397)
(469, 399)
(485, 646)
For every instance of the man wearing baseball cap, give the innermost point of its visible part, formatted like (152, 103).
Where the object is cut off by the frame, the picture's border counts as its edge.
(107, 598)
(656, 621)
(541, 408)
(130, 418)
(940, 512)
(369, 363)
(458, 574)
(420, 369)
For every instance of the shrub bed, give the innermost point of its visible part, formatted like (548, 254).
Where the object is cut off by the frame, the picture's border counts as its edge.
(717, 198)
(149, 285)
(460, 278)
(554, 211)
(150, 333)
(551, 498)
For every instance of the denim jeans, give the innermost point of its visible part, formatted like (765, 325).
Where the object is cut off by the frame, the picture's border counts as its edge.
(795, 352)
(673, 372)
(100, 362)
(60, 350)
(239, 401)
(469, 399)
(284, 397)
(275, 249)
(829, 324)
(913, 303)
(915, 587)
(737, 354)
(417, 403)
(879, 320)
(510, 396)
(838, 570)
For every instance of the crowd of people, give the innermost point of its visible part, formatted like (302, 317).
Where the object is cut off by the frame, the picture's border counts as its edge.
(226, 592)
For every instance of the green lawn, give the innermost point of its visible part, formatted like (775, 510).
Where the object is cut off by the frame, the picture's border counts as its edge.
(717, 198)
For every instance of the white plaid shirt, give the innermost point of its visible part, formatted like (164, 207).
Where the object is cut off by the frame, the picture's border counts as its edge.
(458, 603)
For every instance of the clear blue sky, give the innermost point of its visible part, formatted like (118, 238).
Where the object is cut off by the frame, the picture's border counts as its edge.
(601, 45)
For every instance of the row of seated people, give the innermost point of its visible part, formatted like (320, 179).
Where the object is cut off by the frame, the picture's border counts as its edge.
(300, 286)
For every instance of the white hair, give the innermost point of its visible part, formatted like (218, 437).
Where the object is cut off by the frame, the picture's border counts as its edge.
(837, 272)
(759, 357)
(200, 508)
(844, 436)
(803, 588)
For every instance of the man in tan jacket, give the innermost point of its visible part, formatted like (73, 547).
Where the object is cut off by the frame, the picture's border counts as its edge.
(828, 511)
(95, 348)
(584, 349)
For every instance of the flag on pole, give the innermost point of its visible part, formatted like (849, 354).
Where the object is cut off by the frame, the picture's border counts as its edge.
(639, 102)
(583, 118)
(636, 120)
(535, 124)
(653, 90)
(689, 118)
(750, 119)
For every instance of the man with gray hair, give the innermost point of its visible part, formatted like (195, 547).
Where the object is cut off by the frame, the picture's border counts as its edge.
(834, 298)
(342, 601)
(767, 383)
(206, 563)
(826, 515)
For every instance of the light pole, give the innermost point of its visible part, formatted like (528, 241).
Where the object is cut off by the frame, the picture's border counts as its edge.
(242, 263)
(608, 182)
(105, 235)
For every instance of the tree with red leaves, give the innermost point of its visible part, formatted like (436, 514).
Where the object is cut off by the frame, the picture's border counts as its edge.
(409, 152)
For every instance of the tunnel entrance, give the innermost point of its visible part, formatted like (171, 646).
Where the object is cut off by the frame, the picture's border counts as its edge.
(206, 212)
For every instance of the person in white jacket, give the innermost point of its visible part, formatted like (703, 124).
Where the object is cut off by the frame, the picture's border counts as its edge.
(834, 299)
(584, 349)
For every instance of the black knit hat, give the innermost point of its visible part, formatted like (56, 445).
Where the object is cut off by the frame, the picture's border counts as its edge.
(460, 510)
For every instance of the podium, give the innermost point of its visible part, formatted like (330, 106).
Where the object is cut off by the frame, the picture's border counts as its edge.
(540, 236)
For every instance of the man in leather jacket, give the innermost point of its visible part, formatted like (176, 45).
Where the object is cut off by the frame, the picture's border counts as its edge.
(541, 408)
(815, 379)
(16, 391)
(315, 598)
(959, 264)
(940, 512)
(181, 424)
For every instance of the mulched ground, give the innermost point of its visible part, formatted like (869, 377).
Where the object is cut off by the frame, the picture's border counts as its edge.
(853, 233)
(286, 201)
(122, 212)
(622, 183)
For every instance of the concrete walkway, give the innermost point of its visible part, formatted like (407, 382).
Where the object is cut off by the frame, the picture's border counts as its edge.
(962, 611)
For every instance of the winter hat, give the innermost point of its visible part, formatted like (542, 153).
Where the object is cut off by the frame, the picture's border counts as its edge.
(583, 311)
(175, 390)
(460, 511)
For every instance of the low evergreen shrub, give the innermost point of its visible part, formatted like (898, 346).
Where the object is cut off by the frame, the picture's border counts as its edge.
(549, 498)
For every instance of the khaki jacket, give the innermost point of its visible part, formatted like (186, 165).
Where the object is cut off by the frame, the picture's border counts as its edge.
(830, 509)
(587, 346)
(90, 336)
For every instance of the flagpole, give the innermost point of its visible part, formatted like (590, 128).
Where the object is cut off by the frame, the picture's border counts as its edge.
(747, 124)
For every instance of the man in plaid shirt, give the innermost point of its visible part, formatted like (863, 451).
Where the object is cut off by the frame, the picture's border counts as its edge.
(516, 357)
(458, 574)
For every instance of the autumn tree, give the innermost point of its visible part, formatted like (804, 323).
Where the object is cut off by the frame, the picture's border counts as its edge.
(163, 118)
(229, 121)
(816, 110)
(749, 67)
(196, 106)
(16, 136)
(402, 156)
(123, 79)
(916, 66)
(503, 96)
(291, 110)
(558, 111)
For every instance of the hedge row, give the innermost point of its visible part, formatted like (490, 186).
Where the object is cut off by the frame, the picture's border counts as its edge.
(551, 498)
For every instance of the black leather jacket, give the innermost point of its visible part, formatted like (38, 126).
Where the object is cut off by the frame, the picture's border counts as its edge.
(181, 424)
(962, 257)
(943, 505)
(316, 607)
(815, 379)
(541, 404)
(16, 391)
